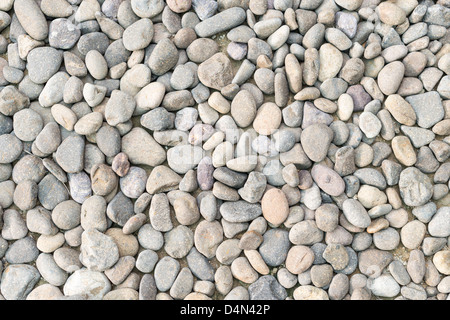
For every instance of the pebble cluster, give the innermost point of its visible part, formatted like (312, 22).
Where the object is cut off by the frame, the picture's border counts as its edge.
(229, 149)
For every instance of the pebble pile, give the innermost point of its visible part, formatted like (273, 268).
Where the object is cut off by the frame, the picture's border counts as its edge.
(229, 149)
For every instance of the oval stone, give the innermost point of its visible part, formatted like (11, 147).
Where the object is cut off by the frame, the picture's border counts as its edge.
(328, 180)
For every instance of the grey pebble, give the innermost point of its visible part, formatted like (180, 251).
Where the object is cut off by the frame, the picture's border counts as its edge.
(18, 281)
(267, 288)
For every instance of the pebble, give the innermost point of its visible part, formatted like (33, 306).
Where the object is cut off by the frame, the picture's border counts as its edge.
(243, 271)
(416, 265)
(275, 246)
(98, 251)
(232, 211)
(82, 282)
(274, 206)
(66, 215)
(199, 265)
(51, 192)
(440, 260)
(172, 136)
(216, 71)
(93, 213)
(386, 239)
(415, 187)
(183, 284)
(164, 56)
(220, 22)
(146, 261)
(183, 158)
(141, 148)
(266, 288)
(40, 70)
(22, 251)
(384, 286)
(31, 18)
(50, 270)
(336, 255)
(134, 182)
(309, 292)
(315, 140)
(438, 226)
(355, 213)
(132, 41)
(312, 115)
(186, 210)
(390, 77)
(434, 113)
(11, 148)
(207, 237)
(328, 180)
(18, 280)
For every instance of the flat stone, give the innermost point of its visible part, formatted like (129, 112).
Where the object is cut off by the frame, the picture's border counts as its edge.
(31, 18)
(216, 71)
(428, 108)
(41, 70)
(439, 226)
(266, 288)
(141, 148)
(183, 158)
(18, 280)
(98, 251)
(240, 211)
(415, 187)
(315, 140)
(220, 22)
(163, 58)
(355, 213)
(328, 180)
(93, 284)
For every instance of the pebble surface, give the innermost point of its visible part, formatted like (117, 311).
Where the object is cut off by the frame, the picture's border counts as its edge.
(238, 150)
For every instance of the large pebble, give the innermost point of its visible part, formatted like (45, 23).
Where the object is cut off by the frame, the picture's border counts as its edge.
(315, 140)
(216, 72)
(328, 180)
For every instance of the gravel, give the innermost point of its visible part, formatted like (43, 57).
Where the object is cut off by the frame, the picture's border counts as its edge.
(238, 150)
